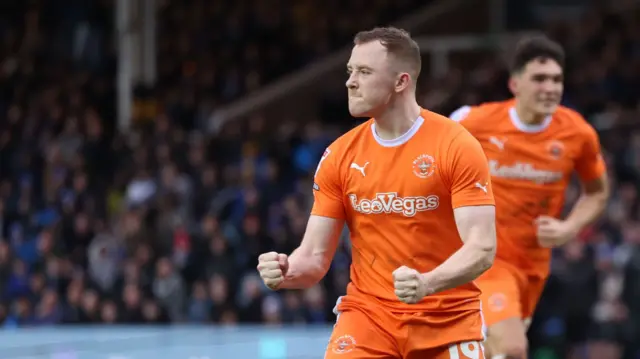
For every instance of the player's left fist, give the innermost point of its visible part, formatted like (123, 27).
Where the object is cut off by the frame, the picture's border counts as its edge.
(410, 285)
(553, 232)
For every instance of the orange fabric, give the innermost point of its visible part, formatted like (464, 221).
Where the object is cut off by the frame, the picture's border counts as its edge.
(371, 331)
(360, 333)
(530, 173)
(508, 293)
(398, 202)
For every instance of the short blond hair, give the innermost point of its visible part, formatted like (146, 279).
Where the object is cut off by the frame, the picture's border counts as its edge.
(398, 43)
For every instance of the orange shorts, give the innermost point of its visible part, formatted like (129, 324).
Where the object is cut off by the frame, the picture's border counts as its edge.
(509, 293)
(377, 333)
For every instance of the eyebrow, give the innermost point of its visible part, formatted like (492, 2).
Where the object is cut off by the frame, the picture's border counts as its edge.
(547, 74)
(358, 67)
(544, 75)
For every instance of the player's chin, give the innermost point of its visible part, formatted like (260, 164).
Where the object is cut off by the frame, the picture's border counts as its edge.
(548, 108)
(358, 110)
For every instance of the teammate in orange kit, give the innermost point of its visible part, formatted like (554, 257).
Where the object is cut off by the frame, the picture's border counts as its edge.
(533, 146)
(414, 189)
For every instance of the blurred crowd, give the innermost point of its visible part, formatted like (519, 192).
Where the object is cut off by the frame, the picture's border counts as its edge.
(217, 51)
(163, 224)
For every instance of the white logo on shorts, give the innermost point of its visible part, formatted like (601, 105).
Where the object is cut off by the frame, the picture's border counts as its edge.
(343, 344)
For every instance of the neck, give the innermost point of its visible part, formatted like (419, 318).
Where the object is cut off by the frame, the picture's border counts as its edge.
(528, 117)
(397, 118)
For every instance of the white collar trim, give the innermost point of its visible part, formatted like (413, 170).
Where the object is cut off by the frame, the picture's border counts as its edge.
(402, 139)
(524, 127)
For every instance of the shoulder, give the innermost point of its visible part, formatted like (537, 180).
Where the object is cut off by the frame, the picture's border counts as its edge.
(446, 131)
(574, 120)
(349, 138)
(341, 147)
(442, 126)
(451, 138)
(469, 113)
(569, 114)
(461, 113)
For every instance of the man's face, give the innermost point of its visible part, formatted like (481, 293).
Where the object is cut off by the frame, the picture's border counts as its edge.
(372, 79)
(539, 86)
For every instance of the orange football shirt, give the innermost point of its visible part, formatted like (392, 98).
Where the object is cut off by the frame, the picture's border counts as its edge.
(397, 198)
(531, 167)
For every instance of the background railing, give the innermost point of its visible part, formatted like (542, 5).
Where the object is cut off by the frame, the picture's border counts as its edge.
(206, 342)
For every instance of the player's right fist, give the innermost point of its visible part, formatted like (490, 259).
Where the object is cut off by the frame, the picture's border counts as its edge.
(410, 285)
(273, 268)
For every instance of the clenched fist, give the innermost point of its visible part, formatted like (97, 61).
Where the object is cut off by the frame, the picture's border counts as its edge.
(553, 232)
(273, 268)
(410, 285)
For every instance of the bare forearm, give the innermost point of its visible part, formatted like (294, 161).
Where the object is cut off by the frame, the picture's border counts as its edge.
(586, 210)
(305, 269)
(465, 265)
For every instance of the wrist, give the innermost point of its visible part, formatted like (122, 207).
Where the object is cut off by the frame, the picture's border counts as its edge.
(429, 283)
(573, 228)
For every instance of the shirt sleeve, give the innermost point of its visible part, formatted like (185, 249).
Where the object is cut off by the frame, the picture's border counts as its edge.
(467, 172)
(327, 188)
(590, 165)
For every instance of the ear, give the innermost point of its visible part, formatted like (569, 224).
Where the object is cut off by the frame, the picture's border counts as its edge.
(403, 81)
(513, 84)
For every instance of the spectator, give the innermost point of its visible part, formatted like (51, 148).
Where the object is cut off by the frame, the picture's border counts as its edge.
(163, 223)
